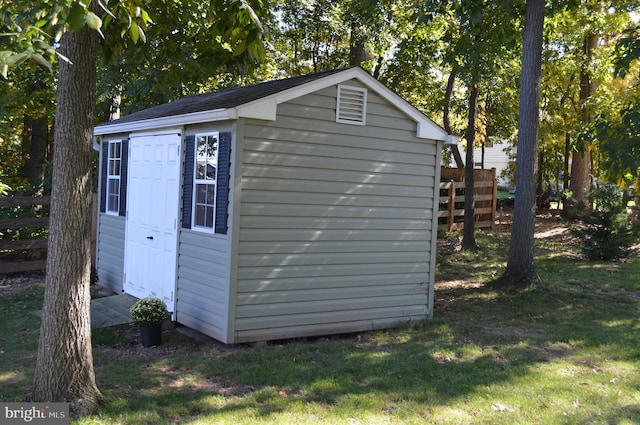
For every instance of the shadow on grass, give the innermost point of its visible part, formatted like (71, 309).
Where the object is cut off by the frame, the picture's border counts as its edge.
(482, 345)
(481, 339)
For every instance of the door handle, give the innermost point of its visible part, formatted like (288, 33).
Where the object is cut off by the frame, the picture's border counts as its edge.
(150, 237)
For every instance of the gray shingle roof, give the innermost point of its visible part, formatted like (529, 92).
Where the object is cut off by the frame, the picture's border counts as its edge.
(222, 99)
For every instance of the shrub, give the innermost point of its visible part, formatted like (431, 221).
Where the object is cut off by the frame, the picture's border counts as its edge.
(149, 312)
(606, 233)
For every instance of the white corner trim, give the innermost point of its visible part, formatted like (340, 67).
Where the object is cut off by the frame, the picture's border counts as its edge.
(452, 140)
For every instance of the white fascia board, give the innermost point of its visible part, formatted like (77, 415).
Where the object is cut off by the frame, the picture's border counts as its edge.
(164, 122)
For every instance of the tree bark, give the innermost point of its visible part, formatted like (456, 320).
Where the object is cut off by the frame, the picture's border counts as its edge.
(521, 272)
(445, 117)
(468, 234)
(36, 139)
(581, 160)
(64, 367)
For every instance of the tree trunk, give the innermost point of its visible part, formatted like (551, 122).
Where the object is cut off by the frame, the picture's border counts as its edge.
(38, 142)
(468, 234)
(520, 272)
(539, 180)
(565, 171)
(445, 117)
(581, 160)
(64, 367)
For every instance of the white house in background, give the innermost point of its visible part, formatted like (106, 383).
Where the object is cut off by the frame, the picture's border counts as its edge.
(290, 208)
(495, 157)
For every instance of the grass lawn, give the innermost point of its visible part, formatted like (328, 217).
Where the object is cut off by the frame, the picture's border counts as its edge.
(566, 355)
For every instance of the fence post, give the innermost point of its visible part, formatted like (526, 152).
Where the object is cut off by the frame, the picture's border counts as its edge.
(452, 206)
(494, 204)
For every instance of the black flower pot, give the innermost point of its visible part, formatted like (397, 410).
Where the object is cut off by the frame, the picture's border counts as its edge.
(151, 336)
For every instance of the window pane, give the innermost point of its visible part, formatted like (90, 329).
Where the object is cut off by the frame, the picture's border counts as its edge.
(112, 204)
(200, 167)
(113, 187)
(211, 170)
(201, 147)
(211, 194)
(209, 217)
(201, 194)
(200, 215)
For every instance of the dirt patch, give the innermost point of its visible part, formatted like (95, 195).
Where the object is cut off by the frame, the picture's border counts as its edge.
(548, 227)
(15, 283)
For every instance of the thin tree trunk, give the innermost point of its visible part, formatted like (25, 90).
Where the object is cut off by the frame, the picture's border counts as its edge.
(445, 117)
(539, 180)
(468, 234)
(520, 270)
(64, 367)
(565, 170)
(38, 144)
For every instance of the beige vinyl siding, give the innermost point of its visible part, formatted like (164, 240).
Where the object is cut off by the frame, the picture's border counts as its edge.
(110, 251)
(203, 283)
(335, 221)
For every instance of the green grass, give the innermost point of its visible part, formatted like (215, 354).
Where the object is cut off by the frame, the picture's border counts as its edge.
(566, 355)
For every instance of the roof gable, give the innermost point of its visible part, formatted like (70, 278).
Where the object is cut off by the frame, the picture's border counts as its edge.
(260, 101)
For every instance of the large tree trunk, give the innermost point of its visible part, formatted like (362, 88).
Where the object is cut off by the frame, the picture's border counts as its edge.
(520, 270)
(581, 160)
(64, 368)
(468, 234)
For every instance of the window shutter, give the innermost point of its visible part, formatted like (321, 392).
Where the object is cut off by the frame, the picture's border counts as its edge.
(104, 164)
(222, 192)
(187, 186)
(352, 105)
(124, 168)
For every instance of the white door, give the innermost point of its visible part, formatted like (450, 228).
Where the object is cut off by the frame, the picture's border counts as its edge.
(152, 216)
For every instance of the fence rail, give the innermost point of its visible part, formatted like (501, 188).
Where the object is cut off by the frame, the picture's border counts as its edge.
(451, 203)
(24, 244)
(15, 266)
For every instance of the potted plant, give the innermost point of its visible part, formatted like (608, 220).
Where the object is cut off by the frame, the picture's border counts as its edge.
(149, 313)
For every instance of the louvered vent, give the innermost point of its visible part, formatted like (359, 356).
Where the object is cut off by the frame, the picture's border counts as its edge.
(352, 105)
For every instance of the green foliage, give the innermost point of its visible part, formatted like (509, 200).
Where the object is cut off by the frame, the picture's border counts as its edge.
(606, 233)
(31, 31)
(627, 50)
(149, 312)
(192, 47)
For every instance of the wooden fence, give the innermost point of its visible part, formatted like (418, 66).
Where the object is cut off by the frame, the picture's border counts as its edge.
(38, 262)
(452, 189)
(31, 245)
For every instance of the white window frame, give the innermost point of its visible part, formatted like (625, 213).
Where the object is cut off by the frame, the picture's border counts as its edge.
(205, 206)
(114, 173)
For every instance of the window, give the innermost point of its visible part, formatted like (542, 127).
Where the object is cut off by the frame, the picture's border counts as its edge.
(205, 180)
(351, 107)
(114, 172)
(207, 175)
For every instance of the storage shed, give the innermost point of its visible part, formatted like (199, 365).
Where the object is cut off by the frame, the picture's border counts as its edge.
(296, 207)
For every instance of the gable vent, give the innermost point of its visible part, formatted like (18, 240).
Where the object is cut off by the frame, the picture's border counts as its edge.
(352, 105)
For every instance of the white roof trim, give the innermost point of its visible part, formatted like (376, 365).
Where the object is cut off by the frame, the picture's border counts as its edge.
(266, 108)
(164, 122)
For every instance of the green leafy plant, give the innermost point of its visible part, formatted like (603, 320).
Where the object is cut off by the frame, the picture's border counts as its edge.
(607, 233)
(149, 312)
